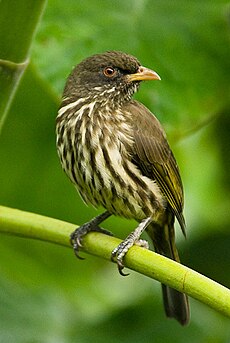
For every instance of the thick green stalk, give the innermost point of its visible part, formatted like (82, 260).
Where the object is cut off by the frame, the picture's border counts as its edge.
(18, 22)
(30, 225)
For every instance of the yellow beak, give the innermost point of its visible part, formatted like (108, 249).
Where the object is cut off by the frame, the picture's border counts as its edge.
(143, 74)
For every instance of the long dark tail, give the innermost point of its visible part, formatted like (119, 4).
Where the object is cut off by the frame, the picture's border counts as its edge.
(175, 303)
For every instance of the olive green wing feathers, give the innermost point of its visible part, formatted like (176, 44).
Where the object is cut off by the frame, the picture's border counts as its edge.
(153, 156)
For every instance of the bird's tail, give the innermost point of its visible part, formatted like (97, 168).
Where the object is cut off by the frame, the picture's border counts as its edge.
(175, 303)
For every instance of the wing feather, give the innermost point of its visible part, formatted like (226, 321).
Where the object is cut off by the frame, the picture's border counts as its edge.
(153, 156)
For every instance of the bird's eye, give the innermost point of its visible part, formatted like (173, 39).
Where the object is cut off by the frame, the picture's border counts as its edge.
(109, 71)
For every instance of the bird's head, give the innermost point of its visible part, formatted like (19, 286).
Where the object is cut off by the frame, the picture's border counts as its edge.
(113, 74)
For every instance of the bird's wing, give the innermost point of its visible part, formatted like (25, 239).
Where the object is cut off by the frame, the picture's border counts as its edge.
(153, 156)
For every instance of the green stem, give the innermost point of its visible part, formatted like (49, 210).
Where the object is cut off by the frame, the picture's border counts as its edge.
(30, 225)
(18, 23)
(10, 76)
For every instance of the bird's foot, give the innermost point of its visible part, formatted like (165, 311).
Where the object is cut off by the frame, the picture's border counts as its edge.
(77, 236)
(121, 250)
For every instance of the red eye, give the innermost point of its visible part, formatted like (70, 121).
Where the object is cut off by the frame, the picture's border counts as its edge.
(109, 71)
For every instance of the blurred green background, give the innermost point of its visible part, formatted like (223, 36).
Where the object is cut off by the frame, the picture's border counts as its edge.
(46, 294)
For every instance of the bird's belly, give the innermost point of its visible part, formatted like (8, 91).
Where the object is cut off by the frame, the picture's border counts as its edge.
(121, 197)
(103, 178)
(101, 169)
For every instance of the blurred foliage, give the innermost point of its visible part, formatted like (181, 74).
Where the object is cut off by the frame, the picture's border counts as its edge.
(46, 295)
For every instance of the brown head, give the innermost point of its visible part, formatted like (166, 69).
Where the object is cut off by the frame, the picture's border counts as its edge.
(111, 73)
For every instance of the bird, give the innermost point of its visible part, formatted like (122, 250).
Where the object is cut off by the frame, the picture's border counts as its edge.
(116, 154)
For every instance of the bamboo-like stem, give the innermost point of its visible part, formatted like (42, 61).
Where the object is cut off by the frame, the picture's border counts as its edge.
(155, 266)
(18, 22)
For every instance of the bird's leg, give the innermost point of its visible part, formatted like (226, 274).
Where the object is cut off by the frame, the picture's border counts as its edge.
(92, 225)
(120, 251)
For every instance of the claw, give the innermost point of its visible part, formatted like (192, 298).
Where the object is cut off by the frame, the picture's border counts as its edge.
(120, 267)
(117, 256)
(78, 234)
(76, 251)
(76, 240)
